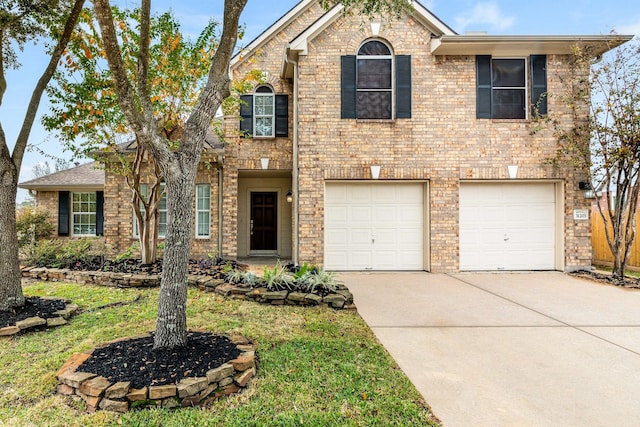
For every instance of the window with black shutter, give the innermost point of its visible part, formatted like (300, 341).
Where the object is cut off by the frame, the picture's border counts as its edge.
(264, 114)
(502, 86)
(63, 213)
(375, 84)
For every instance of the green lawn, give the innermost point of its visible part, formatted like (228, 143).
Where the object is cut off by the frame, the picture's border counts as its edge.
(317, 366)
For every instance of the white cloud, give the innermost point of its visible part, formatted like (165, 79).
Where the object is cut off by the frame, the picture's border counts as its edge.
(631, 28)
(484, 16)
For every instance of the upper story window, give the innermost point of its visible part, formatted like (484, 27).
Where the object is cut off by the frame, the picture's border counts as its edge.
(503, 85)
(374, 77)
(264, 114)
(375, 83)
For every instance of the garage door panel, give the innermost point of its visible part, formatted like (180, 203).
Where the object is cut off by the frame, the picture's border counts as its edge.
(384, 223)
(507, 226)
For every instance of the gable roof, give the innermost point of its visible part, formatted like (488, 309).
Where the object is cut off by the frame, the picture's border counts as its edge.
(86, 176)
(299, 43)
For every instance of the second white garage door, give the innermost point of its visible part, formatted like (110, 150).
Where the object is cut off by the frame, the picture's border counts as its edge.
(374, 226)
(507, 226)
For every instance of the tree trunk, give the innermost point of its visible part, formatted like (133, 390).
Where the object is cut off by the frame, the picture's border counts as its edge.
(10, 279)
(171, 324)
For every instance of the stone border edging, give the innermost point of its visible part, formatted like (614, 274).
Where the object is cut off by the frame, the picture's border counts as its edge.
(98, 393)
(31, 322)
(341, 299)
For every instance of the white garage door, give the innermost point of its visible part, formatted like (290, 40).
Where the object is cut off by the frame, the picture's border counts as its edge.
(507, 226)
(374, 226)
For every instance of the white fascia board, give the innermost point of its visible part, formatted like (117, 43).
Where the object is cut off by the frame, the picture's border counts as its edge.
(300, 43)
(431, 21)
(522, 45)
(269, 32)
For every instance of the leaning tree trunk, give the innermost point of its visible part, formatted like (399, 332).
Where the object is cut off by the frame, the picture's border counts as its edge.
(171, 324)
(10, 280)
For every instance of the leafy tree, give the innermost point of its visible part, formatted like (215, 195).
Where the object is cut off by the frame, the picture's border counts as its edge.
(85, 111)
(44, 168)
(606, 139)
(615, 146)
(22, 21)
(178, 162)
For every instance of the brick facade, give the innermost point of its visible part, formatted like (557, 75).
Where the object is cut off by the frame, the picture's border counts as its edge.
(442, 144)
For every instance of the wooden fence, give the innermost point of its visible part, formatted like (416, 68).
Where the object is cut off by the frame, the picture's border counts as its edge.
(602, 253)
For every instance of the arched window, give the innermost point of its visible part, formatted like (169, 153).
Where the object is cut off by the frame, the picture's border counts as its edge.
(263, 111)
(374, 81)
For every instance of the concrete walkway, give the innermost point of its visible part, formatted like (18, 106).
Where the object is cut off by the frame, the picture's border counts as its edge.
(521, 349)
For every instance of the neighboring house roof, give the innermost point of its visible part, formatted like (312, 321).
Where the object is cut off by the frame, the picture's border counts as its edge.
(86, 176)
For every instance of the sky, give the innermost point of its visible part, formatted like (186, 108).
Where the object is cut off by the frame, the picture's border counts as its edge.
(496, 17)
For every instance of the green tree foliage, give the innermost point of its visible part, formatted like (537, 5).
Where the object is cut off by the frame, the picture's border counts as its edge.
(22, 21)
(88, 120)
(32, 225)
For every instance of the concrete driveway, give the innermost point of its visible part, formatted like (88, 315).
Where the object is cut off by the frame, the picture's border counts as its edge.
(521, 349)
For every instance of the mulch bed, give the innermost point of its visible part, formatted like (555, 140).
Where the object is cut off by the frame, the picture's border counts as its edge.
(136, 361)
(600, 277)
(33, 307)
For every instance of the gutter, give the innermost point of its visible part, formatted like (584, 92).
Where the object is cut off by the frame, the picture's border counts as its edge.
(220, 200)
(295, 170)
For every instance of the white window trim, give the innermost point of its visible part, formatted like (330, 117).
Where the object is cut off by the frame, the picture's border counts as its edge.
(73, 214)
(527, 83)
(392, 57)
(257, 116)
(199, 210)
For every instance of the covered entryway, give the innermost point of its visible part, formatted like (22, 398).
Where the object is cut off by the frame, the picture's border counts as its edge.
(264, 214)
(508, 226)
(375, 226)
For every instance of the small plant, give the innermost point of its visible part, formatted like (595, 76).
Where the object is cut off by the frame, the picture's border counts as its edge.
(128, 253)
(318, 280)
(278, 278)
(43, 253)
(234, 277)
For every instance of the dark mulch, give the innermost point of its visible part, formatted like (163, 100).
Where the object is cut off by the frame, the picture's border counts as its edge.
(33, 307)
(626, 282)
(135, 360)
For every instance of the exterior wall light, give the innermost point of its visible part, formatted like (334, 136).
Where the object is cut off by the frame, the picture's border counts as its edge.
(587, 189)
(289, 197)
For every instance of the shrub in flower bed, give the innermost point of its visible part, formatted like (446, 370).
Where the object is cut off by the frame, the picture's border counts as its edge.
(288, 284)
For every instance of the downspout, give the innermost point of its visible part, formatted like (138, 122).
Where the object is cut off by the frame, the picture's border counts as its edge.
(294, 173)
(220, 200)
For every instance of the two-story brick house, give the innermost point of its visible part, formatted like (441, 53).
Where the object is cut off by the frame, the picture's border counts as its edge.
(391, 145)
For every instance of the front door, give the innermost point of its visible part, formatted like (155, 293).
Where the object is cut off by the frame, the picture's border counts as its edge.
(264, 221)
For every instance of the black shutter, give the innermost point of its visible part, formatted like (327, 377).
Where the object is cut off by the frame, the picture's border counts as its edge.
(63, 213)
(403, 86)
(246, 115)
(348, 87)
(99, 213)
(282, 115)
(483, 87)
(539, 84)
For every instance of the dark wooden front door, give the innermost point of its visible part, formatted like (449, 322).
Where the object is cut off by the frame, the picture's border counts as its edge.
(264, 221)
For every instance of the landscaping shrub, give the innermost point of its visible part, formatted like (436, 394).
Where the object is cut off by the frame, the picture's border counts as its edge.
(33, 225)
(77, 254)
